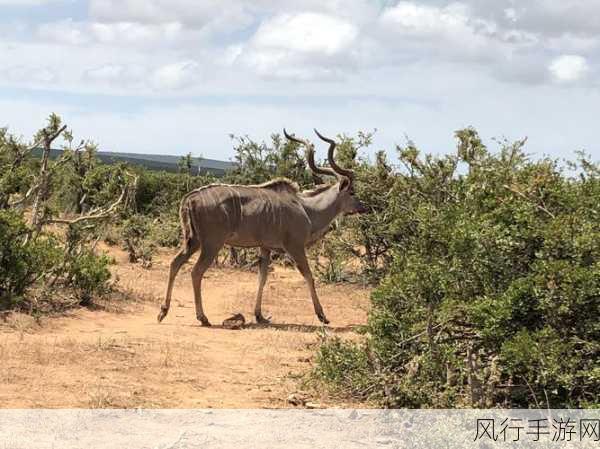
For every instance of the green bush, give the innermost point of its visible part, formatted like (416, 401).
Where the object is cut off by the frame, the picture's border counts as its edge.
(367, 238)
(16, 168)
(43, 264)
(159, 193)
(22, 262)
(345, 367)
(89, 275)
(330, 257)
(41, 267)
(152, 220)
(261, 162)
(492, 293)
(165, 232)
(135, 233)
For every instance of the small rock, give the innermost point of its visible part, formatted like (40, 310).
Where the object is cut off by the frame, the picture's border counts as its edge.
(236, 321)
(312, 405)
(296, 400)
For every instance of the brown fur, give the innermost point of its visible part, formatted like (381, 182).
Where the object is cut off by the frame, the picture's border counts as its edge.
(271, 216)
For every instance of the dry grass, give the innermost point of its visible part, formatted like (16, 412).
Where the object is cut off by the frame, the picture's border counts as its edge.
(118, 356)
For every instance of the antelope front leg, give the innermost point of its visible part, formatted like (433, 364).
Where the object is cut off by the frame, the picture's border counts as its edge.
(299, 256)
(265, 258)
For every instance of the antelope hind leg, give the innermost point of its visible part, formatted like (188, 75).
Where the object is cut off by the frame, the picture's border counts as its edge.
(176, 264)
(207, 256)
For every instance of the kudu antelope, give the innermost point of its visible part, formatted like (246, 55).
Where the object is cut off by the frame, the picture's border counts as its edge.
(270, 216)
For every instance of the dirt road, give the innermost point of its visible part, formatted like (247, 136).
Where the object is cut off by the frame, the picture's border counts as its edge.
(122, 358)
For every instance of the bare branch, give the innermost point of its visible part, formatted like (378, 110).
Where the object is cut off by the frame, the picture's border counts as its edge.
(48, 139)
(99, 214)
(45, 138)
(42, 190)
(525, 197)
(36, 187)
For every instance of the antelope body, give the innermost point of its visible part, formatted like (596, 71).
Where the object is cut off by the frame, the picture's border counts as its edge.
(270, 216)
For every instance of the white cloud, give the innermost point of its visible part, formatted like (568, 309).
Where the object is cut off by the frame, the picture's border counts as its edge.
(176, 76)
(70, 32)
(421, 20)
(65, 31)
(306, 32)
(109, 72)
(511, 14)
(126, 10)
(132, 32)
(117, 75)
(448, 33)
(569, 68)
(229, 16)
(552, 17)
(138, 45)
(34, 74)
(304, 46)
(570, 43)
(489, 39)
(27, 2)
(99, 69)
(396, 65)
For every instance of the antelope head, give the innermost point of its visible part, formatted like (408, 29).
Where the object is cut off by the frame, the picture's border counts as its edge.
(345, 196)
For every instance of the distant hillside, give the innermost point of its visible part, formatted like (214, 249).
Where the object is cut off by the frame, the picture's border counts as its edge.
(157, 161)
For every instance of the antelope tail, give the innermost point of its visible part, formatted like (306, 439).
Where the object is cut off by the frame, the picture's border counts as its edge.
(187, 227)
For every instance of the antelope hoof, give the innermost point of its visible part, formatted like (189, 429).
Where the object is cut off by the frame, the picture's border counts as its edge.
(204, 321)
(262, 320)
(323, 319)
(162, 314)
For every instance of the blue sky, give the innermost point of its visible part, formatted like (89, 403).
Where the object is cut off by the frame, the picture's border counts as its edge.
(178, 76)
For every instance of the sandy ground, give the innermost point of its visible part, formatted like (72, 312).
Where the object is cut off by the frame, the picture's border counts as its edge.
(119, 356)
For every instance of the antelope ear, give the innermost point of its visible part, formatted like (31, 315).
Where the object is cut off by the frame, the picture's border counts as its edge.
(345, 184)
